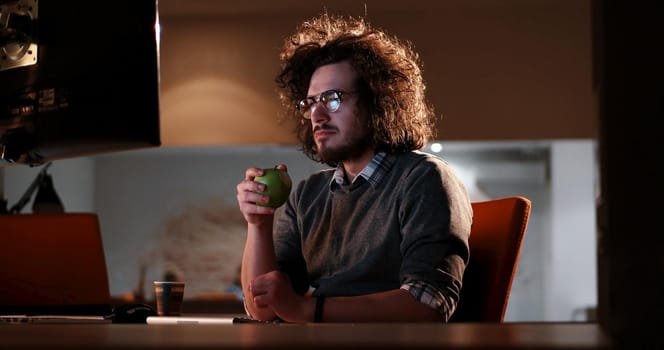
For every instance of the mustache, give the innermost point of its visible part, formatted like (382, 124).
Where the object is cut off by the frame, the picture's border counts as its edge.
(325, 127)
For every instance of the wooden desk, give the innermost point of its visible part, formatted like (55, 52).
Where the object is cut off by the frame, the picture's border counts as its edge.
(311, 336)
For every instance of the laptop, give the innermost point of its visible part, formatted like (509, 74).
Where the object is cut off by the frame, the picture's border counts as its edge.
(52, 267)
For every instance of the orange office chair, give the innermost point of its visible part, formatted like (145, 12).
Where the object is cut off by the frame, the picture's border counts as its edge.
(52, 264)
(496, 236)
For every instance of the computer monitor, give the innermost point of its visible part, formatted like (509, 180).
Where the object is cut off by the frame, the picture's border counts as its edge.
(77, 78)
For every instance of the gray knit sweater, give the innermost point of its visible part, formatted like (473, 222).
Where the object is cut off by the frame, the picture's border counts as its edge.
(358, 239)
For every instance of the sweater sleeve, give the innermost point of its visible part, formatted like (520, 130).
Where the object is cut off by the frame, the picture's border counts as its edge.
(436, 216)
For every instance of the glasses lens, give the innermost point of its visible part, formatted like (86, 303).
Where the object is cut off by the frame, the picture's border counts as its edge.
(304, 106)
(331, 100)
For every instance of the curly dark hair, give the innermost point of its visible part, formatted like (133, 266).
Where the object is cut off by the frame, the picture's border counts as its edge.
(390, 81)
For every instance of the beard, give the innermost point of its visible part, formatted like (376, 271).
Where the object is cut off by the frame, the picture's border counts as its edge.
(354, 145)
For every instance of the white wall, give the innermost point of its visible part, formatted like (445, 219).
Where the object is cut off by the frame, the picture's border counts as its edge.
(73, 180)
(572, 271)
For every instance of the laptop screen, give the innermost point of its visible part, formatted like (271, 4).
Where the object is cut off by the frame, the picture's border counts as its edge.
(52, 264)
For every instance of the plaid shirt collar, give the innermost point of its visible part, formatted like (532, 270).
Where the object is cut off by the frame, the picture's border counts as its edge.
(374, 172)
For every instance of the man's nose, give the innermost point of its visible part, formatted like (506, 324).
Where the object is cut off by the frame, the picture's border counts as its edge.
(318, 112)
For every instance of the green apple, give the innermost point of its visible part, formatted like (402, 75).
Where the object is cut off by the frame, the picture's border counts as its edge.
(277, 186)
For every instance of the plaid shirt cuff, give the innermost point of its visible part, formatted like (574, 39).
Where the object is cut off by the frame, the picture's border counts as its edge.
(430, 296)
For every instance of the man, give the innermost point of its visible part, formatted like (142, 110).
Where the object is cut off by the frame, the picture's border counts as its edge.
(383, 235)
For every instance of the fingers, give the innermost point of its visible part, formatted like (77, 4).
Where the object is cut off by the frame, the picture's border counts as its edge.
(267, 284)
(261, 300)
(260, 292)
(249, 191)
(248, 194)
(273, 290)
(251, 173)
(247, 203)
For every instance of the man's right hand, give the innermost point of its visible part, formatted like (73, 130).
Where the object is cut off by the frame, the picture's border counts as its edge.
(247, 198)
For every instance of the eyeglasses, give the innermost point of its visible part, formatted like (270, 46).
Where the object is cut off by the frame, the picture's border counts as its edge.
(331, 101)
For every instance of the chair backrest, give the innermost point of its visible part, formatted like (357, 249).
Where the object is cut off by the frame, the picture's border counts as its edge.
(53, 264)
(496, 236)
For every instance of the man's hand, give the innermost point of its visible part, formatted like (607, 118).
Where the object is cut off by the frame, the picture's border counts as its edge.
(247, 198)
(274, 290)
